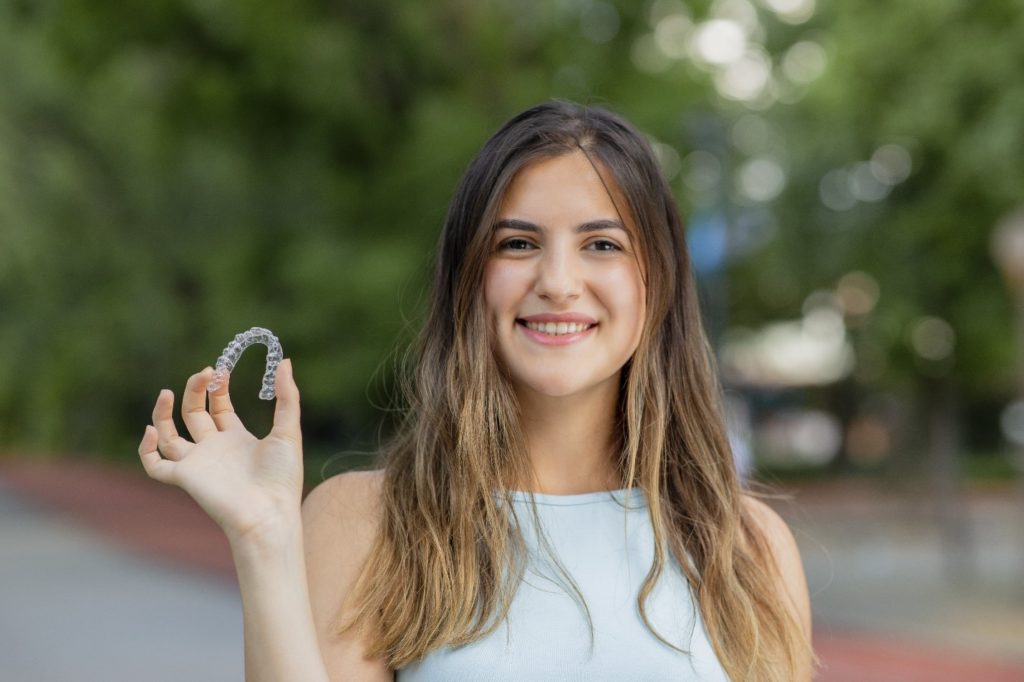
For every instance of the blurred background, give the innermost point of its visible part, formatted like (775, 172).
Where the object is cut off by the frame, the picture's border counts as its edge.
(852, 175)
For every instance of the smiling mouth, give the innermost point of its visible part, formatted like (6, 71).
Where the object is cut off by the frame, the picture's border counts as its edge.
(556, 328)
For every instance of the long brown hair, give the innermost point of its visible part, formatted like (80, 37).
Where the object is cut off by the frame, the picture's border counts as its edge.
(449, 554)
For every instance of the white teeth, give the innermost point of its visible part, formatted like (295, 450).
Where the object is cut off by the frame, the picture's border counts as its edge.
(559, 328)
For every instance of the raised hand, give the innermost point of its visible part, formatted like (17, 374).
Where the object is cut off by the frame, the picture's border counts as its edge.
(248, 485)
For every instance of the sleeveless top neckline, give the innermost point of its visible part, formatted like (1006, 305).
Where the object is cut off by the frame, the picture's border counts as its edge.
(633, 497)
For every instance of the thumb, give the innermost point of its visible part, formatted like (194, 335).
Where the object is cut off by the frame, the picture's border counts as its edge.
(286, 411)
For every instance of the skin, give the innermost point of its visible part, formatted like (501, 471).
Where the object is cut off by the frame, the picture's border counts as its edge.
(542, 263)
(298, 561)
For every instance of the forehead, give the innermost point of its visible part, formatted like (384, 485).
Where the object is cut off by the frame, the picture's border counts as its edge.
(565, 189)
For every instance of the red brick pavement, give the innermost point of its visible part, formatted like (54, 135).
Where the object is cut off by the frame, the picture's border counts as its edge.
(867, 657)
(154, 519)
(163, 522)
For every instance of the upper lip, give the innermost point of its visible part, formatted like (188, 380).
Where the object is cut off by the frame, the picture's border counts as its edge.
(562, 317)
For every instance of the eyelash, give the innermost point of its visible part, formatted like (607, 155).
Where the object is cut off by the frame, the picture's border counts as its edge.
(506, 245)
(614, 247)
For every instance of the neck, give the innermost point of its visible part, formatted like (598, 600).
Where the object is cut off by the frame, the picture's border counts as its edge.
(571, 441)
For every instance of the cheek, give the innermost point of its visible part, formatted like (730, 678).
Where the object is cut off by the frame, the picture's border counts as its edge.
(627, 297)
(501, 287)
(626, 289)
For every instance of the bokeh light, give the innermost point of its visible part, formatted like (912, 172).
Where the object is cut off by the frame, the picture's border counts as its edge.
(647, 57)
(702, 171)
(746, 78)
(672, 35)
(668, 159)
(834, 190)
(857, 293)
(865, 185)
(804, 62)
(792, 11)
(891, 164)
(719, 42)
(761, 179)
(932, 338)
(799, 437)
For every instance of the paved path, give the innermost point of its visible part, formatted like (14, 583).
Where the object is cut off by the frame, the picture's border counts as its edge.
(105, 575)
(895, 598)
(78, 606)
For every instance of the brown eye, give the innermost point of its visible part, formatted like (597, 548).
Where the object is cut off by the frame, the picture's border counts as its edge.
(604, 245)
(515, 245)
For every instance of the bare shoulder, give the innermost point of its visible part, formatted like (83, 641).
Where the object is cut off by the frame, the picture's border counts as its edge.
(769, 522)
(782, 544)
(351, 491)
(340, 518)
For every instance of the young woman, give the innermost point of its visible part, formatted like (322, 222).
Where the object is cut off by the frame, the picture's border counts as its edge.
(560, 502)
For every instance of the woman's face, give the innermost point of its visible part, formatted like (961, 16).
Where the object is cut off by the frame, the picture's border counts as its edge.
(563, 288)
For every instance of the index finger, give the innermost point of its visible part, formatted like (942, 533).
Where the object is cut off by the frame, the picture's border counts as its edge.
(193, 406)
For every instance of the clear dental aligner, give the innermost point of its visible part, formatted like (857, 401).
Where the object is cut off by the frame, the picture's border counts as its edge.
(227, 360)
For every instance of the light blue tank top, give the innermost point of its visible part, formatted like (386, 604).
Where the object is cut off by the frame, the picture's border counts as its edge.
(605, 542)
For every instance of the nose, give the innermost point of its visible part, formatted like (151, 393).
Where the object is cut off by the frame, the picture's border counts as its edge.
(559, 275)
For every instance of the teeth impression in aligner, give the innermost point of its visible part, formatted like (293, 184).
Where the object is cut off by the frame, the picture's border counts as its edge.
(227, 360)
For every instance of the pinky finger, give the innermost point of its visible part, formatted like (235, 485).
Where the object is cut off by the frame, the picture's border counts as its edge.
(158, 468)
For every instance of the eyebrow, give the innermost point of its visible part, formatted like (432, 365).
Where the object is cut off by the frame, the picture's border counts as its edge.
(589, 226)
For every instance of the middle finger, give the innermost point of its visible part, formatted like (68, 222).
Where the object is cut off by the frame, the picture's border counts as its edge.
(221, 408)
(169, 443)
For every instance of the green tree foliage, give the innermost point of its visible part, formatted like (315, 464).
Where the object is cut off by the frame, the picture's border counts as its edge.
(173, 172)
(943, 80)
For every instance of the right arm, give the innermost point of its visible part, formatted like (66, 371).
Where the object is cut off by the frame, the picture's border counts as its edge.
(294, 585)
(252, 489)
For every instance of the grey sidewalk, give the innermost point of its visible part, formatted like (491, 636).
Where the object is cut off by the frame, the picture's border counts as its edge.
(880, 563)
(76, 607)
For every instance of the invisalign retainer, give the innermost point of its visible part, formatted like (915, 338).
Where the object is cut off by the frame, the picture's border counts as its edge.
(227, 360)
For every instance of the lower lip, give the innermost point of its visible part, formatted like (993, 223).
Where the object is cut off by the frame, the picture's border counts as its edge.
(552, 340)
